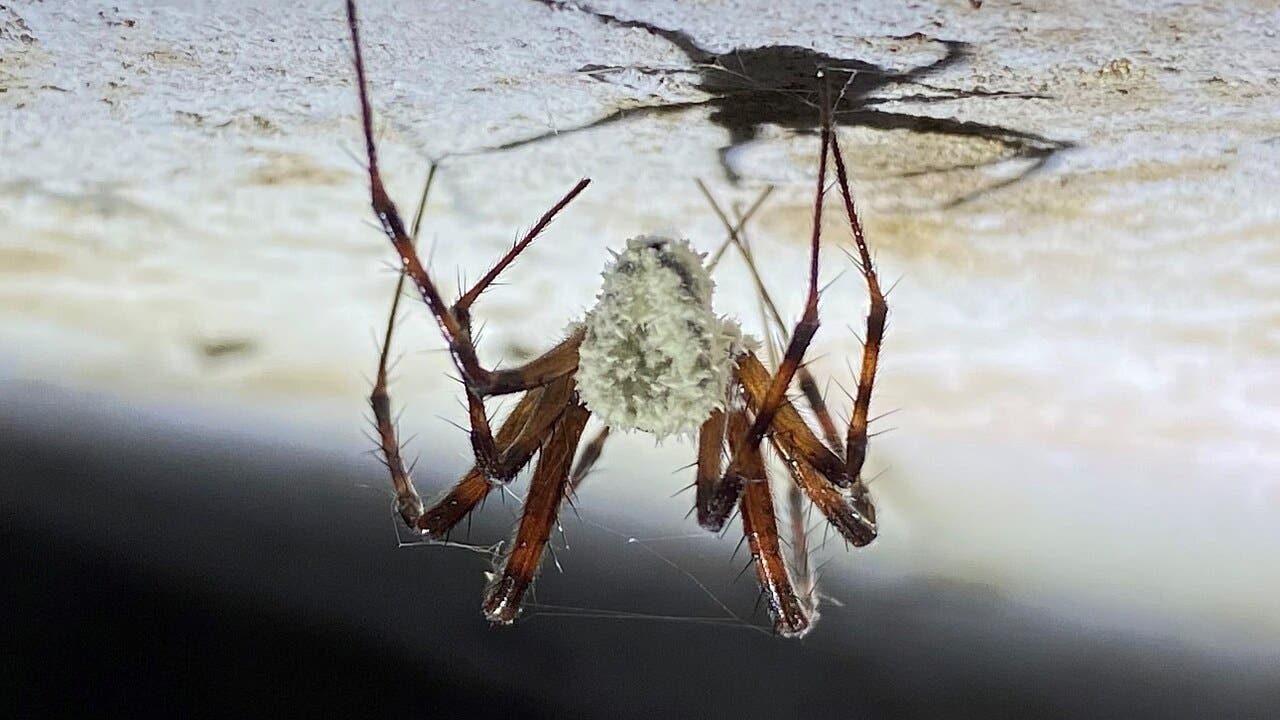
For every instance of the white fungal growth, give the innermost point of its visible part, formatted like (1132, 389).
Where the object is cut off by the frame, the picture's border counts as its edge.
(655, 356)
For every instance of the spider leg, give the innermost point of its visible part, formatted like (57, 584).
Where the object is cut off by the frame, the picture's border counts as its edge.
(803, 575)
(808, 386)
(743, 218)
(546, 491)
(789, 428)
(710, 462)
(462, 498)
(807, 326)
(463, 305)
(791, 617)
(853, 517)
(718, 493)
(454, 322)
(587, 460)
(818, 404)
(528, 425)
(856, 440)
(851, 514)
(408, 503)
(558, 362)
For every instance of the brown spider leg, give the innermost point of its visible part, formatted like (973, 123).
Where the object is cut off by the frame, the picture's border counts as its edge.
(455, 327)
(546, 491)
(587, 460)
(853, 517)
(560, 361)
(718, 493)
(808, 385)
(802, 451)
(743, 219)
(760, 526)
(747, 483)
(528, 425)
(813, 395)
(469, 297)
(856, 447)
(806, 581)
(807, 326)
(474, 487)
(789, 428)
(710, 463)
(408, 503)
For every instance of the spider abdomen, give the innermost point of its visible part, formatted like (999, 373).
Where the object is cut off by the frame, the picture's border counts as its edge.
(655, 356)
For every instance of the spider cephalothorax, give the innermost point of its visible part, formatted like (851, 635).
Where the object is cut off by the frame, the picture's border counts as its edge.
(654, 355)
(651, 355)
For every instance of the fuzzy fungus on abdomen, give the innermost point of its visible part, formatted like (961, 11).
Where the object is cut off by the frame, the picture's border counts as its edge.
(655, 356)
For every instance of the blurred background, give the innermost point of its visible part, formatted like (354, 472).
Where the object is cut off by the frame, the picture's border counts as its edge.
(1078, 497)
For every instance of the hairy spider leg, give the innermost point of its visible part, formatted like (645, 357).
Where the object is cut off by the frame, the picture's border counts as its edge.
(802, 574)
(808, 386)
(713, 509)
(796, 445)
(801, 569)
(454, 321)
(759, 521)
(408, 502)
(853, 516)
(710, 463)
(807, 326)
(856, 447)
(718, 492)
(516, 441)
(591, 453)
(542, 504)
(806, 580)
(760, 526)
(518, 438)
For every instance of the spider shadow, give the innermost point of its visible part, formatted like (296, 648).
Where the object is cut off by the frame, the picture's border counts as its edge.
(750, 88)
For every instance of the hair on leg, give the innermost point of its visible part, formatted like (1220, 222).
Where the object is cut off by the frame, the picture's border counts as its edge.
(856, 441)
(520, 435)
(807, 326)
(791, 617)
(852, 515)
(453, 321)
(718, 493)
(408, 502)
(587, 459)
(789, 427)
(541, 505)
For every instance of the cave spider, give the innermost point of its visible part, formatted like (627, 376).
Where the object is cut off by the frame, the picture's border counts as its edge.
(650, 355)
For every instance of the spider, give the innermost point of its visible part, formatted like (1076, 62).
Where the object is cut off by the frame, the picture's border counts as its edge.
(651, 355)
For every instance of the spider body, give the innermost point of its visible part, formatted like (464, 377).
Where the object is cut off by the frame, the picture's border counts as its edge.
(654, 356)
(651, 355)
